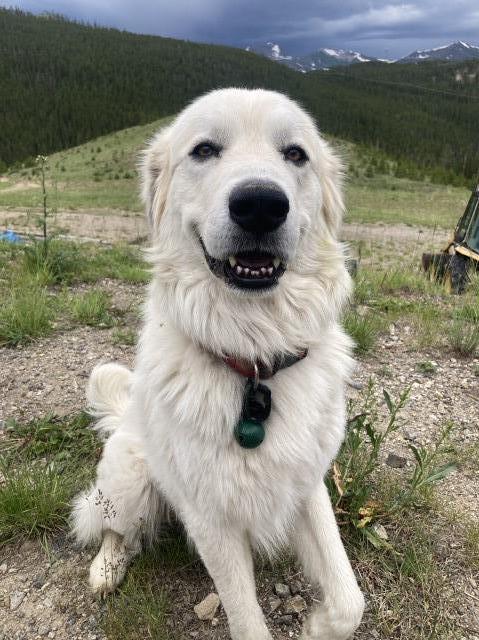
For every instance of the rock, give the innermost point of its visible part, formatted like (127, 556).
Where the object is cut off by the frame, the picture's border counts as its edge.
(3, 568)
(206, 609)
(295, 587)
(380, 531)
(38, 582)
(16, 599)
(43, 630)
(274, 603)
(395, 461)
(296, 604)
(282, 590)
(287, 620)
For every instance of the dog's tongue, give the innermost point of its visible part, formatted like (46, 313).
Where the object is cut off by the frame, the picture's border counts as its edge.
(257, 260)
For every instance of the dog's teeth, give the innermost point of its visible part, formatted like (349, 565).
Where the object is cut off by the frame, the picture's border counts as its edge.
(232, 260)
(254, 273)
(263, 271)
(246, 271)
(276, 262)
(270, 271)
(239, 270)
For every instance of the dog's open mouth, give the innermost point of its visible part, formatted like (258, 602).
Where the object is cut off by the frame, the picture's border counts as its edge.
(248, 269)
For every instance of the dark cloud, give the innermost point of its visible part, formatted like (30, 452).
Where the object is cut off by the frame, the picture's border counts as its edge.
(375, 27)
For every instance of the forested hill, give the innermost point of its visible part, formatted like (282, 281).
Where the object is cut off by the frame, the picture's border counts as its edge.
(62, 83)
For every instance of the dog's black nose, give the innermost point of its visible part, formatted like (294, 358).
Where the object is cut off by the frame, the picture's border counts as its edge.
(258, 207)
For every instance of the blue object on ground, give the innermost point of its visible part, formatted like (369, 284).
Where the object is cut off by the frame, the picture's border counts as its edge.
(10, 236)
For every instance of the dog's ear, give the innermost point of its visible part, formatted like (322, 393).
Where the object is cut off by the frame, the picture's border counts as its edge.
(331, 175)
(155, 172)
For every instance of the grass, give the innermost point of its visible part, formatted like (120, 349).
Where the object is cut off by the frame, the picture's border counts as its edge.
(101, 174)
(362, 329)
(33, 501)
(463, 337)
(124, 337)
(28, 313)
(43, 463)
(92, 309)
(389, 200)
(34, 279)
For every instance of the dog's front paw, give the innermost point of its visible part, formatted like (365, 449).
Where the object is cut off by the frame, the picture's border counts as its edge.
(109, 565)
(333, 621)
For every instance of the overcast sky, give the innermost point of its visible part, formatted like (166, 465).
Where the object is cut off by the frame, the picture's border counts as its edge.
(382, 28)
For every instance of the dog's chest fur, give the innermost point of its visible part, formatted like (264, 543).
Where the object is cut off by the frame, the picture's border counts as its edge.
(191, 401)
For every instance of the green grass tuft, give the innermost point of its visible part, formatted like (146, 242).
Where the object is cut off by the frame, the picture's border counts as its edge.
(363, 329)
(92, 309)
(463, 337)
(43, 464)
(33, 501)
(27, 313)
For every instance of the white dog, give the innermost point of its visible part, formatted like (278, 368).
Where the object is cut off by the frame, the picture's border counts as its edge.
(244, 200)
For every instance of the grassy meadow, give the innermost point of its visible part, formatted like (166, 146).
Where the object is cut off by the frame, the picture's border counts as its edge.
(101, 175)
(394, 523)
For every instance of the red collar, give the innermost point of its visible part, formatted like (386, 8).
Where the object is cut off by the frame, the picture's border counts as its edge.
(247, 369)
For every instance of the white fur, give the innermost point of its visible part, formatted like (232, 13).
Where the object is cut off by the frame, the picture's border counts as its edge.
(171, 420)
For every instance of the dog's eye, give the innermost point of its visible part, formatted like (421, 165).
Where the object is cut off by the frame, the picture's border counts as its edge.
(205, 150)
(295, 154)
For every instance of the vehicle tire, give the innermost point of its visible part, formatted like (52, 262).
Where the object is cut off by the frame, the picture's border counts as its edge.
(458, 270)
(436, 265)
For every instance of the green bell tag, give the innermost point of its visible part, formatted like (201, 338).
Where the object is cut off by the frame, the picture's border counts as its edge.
(249, 434)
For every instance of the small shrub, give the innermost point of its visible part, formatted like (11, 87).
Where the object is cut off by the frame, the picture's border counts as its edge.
(91, 308)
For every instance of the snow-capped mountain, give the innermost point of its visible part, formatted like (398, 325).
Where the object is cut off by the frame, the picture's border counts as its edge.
(454, 52)
(330, 58)
(321, 59)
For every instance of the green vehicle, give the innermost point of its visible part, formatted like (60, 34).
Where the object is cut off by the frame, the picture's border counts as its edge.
(461, 256)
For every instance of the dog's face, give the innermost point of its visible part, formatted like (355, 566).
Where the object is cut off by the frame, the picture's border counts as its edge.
(241, 181)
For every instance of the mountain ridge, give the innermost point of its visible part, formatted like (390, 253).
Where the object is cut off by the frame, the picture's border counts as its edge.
(328, 58)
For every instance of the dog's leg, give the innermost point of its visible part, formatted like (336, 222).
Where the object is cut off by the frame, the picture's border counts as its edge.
(326, 564)
(110, 564)
(119, 509)
(227, 555)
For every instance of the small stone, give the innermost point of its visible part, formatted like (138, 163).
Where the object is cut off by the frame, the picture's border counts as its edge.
(3, 568)
(395, 461)
(206, 609)
(38, 582)
(287, 620)
(380, 531)
(274, 603)
(16, 599)
(296, 604)
(43, 630)
(295, 587)
(282, 590)
(214, 622)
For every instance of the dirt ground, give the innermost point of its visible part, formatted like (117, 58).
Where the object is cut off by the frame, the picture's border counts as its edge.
(43, 591)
